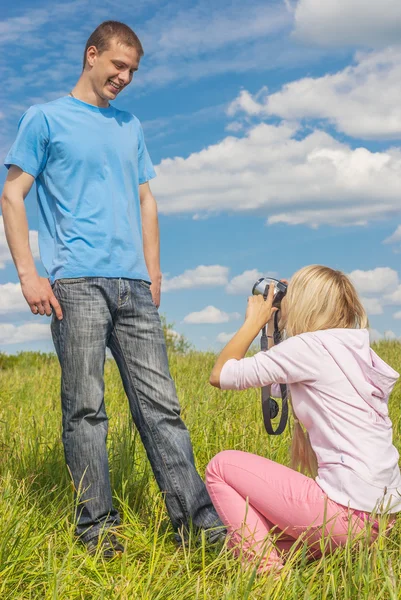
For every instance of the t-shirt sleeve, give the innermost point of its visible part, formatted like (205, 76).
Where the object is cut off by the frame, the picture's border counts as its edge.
(289, 362)
(29, 151)
(145, 167)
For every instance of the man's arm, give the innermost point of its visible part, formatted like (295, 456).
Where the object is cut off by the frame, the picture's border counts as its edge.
(37, 290)
(151, 239)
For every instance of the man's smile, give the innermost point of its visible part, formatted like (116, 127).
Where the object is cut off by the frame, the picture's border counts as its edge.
(114, 85)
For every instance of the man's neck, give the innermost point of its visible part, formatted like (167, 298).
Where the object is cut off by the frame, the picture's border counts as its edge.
(83, 91)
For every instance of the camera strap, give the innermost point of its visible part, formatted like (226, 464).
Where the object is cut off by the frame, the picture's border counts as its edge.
(270, 408)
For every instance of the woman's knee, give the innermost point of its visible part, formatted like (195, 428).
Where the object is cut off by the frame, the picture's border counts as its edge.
(215, 468)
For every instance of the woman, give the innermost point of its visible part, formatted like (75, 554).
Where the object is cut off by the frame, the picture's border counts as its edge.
(339, 389)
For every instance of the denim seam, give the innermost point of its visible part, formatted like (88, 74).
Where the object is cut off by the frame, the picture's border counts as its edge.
(95, 530)
(154, 433)
(127, 291)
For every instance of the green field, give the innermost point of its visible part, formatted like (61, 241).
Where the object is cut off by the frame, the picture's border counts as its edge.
(39, 557)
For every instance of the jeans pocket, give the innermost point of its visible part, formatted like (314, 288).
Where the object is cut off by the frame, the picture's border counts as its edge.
(143, 283)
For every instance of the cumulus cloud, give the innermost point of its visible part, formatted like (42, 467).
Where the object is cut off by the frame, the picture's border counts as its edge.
(372, 306)
(5, 255)
(376, 336)
(27, 332)
(242, 284)
(201, 276)
(394, 297)
(344, 22)
(209, 315)
(255, 105)
(394, 238)
(329, 183)
(375, 281)
(361, 100)
(397, 315)
(11, 299)
(223, 338)
(235, 126)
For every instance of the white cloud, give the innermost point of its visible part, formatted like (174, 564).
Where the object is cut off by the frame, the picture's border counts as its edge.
(235, 126)
(175, 38)
(395, 237)
(30, 28)
(201, 276)
(372, 306)
(11, 299)
(248, 104)
(210, 314)
(5, 255)
(376, 335)
(242, 284)
(174, 334)
(397, 315)
(328, 183)
(13, 29)
(348, 22)
(223, 338)
(394, 298)
(183, 32)
(375, 281)
(362, 100)
(27, 332)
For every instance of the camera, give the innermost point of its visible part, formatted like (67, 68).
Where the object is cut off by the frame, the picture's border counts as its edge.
(270, 407)
(261, 287)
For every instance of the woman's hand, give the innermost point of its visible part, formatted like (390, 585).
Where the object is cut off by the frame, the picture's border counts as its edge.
(258, 313)
(259, 310)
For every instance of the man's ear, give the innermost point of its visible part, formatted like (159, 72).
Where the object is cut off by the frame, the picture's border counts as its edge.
(91, 55)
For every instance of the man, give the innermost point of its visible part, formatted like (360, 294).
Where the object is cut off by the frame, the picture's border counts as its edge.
(99, 241)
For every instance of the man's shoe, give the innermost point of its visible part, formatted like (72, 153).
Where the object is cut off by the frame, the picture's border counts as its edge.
(106, 545)
(213, 536)
(216, 536)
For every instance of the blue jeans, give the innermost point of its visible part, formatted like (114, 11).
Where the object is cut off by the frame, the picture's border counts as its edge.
(120, 314)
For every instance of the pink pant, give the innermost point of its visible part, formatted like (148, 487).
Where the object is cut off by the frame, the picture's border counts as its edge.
(256, 497)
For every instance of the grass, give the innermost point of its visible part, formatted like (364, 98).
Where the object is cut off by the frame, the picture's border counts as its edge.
(39, 557)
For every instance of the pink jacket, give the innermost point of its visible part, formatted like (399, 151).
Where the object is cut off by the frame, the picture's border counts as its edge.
(339, 389)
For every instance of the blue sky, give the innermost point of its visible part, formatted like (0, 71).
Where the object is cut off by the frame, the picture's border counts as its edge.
(275, 130)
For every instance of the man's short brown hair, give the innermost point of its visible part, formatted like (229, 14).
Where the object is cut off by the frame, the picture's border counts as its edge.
(109, 30)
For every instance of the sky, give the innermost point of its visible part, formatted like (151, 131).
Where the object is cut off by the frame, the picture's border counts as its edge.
(275, 131)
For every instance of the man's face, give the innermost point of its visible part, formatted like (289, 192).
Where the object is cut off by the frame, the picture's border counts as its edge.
(112, 70)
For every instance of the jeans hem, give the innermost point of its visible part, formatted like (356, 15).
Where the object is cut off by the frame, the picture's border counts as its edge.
(94, 531)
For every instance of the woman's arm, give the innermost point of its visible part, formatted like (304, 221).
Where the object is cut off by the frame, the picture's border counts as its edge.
(259, 312)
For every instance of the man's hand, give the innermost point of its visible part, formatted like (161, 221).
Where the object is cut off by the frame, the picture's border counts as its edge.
(151, 242)
(155, 289)
(39, 295)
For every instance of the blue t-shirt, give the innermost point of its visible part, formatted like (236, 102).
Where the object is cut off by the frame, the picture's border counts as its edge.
(88, 163)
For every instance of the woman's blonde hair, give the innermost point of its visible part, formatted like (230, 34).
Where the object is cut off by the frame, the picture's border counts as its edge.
(318, 298)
